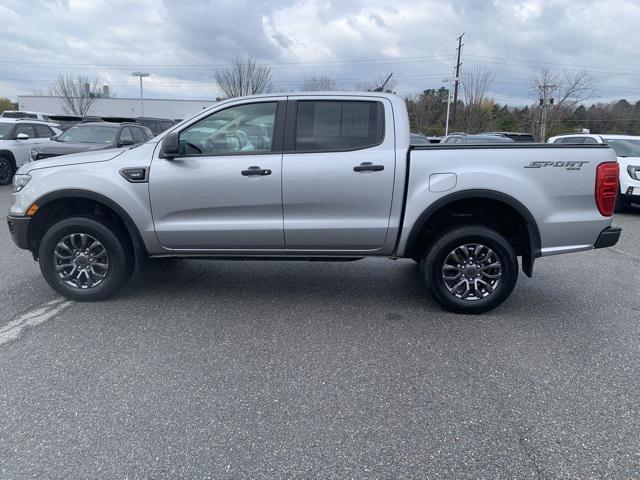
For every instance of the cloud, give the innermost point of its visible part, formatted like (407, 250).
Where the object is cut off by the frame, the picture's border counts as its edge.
(182, 43)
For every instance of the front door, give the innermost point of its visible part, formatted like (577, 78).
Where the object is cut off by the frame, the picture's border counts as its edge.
(21, 147)
(224, 190)
(338, 174)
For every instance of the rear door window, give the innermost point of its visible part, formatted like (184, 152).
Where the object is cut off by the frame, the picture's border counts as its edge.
(43, 131)
(138, 136)
(125, 134)
(338, 125)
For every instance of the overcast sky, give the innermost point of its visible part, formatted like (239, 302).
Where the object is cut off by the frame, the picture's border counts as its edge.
(181, 43)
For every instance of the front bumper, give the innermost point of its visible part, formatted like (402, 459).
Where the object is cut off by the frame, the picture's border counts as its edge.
(608, 237)
(631, 194)
(19, 229)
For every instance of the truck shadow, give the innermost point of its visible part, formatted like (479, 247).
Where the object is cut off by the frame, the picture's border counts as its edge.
(394, 289)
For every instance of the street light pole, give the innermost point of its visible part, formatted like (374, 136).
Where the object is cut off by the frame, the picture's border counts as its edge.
(141, 74)
(446, 126)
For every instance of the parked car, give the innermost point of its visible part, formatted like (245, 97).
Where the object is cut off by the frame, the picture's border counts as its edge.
(475, 138)
(156, 125)
(17, 137)
(627, 148)
(314, 176)
(419, 139)
(65, 122)
(89, 136)
(25, 114)
(515, 136)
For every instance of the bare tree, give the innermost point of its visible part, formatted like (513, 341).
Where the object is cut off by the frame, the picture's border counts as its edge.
(319, 84)
(370, 85)
(558, 94)
(244, 77)
(476, 115)
(77, 93)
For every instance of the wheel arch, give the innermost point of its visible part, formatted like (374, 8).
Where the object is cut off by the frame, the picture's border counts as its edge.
(73, 198)
(531, 233)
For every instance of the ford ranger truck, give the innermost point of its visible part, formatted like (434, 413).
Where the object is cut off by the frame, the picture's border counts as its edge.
(320, 177)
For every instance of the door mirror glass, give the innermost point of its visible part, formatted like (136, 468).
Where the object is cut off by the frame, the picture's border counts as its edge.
(22, 136)
(170, 146)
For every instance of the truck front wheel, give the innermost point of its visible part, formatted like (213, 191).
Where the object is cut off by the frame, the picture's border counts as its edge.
(470, 269)
(84, 259)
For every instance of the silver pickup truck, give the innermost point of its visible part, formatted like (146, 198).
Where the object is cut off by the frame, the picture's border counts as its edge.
(314, 176)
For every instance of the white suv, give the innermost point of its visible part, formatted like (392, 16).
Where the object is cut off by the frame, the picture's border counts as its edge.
(627, 148)
(25, 114)
(17, 137)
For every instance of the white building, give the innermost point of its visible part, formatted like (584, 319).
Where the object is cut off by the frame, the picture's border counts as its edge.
(118, 107)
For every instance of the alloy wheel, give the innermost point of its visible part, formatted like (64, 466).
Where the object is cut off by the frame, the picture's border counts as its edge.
(81, 261)
(472, 272)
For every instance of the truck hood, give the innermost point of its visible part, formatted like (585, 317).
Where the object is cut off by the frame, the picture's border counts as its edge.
(626, 161)
(66, 148)
(87, 157)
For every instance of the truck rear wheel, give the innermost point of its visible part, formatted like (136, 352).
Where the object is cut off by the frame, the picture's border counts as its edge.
(84, 259)
(470, 269)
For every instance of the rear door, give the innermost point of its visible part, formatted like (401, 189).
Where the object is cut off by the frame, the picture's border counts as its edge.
(338, 173)
(224, 191)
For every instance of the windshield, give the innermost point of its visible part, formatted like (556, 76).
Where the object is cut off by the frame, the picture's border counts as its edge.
(624, 148)
(5, 130)
(89, 134)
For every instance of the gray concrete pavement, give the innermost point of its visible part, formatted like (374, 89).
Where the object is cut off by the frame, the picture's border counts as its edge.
(324, 370)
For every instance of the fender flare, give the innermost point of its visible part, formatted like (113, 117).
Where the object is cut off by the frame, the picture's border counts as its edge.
(139, 248)
(533, 232)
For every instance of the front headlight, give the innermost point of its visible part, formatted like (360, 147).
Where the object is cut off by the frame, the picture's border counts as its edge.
(634, 171)
(20, 181)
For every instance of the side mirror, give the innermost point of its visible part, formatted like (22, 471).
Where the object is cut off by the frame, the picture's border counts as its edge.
(22, 136)
(170, 148)
(126, 142)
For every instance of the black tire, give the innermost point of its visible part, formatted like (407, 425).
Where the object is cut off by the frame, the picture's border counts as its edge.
(433, 266)
(120, 258)
(6, 171)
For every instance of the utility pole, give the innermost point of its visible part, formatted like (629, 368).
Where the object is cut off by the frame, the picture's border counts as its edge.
(457, 79)
(545, 102)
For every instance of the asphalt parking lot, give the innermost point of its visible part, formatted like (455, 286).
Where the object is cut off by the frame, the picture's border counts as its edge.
(330, 370)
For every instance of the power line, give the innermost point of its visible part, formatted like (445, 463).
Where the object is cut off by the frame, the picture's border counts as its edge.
(273, 65)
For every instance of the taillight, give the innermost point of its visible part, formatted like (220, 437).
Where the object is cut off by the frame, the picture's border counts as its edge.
(607, 179)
